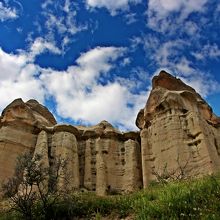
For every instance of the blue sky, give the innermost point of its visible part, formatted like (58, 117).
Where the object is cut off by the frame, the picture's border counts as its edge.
(93, 60)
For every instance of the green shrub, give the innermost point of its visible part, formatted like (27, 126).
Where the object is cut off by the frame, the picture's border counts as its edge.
(192, 199)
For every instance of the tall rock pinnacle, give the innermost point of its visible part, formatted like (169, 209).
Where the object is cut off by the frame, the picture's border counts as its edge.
(178, 129)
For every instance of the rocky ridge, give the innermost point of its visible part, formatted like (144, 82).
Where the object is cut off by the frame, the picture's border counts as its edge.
(178, 129)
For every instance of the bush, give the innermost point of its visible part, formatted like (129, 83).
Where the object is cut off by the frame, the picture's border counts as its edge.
(185, 199)
(34, 187)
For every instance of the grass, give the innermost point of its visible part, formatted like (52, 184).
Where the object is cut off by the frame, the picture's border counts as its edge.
(192, 199)
(195, 199)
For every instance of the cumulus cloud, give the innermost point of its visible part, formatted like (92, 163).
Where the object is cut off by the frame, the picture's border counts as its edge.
(7, 13)
(18, 79)
(84, 92)
(112, 6)
(163, 7)
(82, 97)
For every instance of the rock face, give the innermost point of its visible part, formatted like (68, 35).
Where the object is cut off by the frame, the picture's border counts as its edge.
(178, 131)
(19, 127)
(179, 134)
(99, 158)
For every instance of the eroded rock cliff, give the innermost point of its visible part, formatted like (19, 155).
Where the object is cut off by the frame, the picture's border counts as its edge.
(178, 131)
(19, 128)
(179, 134)
(99, 158)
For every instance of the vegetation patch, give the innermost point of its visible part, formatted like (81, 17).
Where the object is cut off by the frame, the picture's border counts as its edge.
(29, 196)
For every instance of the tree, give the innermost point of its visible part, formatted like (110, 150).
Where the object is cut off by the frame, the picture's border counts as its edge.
(179, 173)
(35, 185)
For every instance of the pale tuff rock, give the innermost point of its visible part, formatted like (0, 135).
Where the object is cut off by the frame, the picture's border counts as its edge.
(178, 129)
(41, 149)
(41, 113)
(97, 158)
(31, 113)
(64, 147)
(18, 134)
(179, 132)
(171, 93)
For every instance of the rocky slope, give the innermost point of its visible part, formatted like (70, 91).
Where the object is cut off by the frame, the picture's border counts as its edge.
(179, 134)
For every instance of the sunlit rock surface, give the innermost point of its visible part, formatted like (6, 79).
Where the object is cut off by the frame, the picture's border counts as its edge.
(178, 130)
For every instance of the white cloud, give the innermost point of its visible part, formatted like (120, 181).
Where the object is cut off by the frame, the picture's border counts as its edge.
(7, 12)
(99, 60)
(111, 5)
(46, 3)
(62, 24)
(18, 79)
(170, 56)
(10, 65)
(163, 53)
(19, 76)
(184, 67)
(79, 91)
(62, 21)
(160, 12)
(81, 97)
(191, 28)
(41, 45)
(207, 51)
(203, 83)
(167, 6)
(126, 61)
(67, 5)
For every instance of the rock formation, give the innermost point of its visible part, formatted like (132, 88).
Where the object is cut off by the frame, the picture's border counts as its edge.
(19, 127)
(178, 130)
(99, 158)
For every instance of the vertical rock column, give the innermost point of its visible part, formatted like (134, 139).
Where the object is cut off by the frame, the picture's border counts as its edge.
(132, 177)
(101, 177)
(88, 166)
(146, 158)
(66, 149)
(202, 140)
(41, 149)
